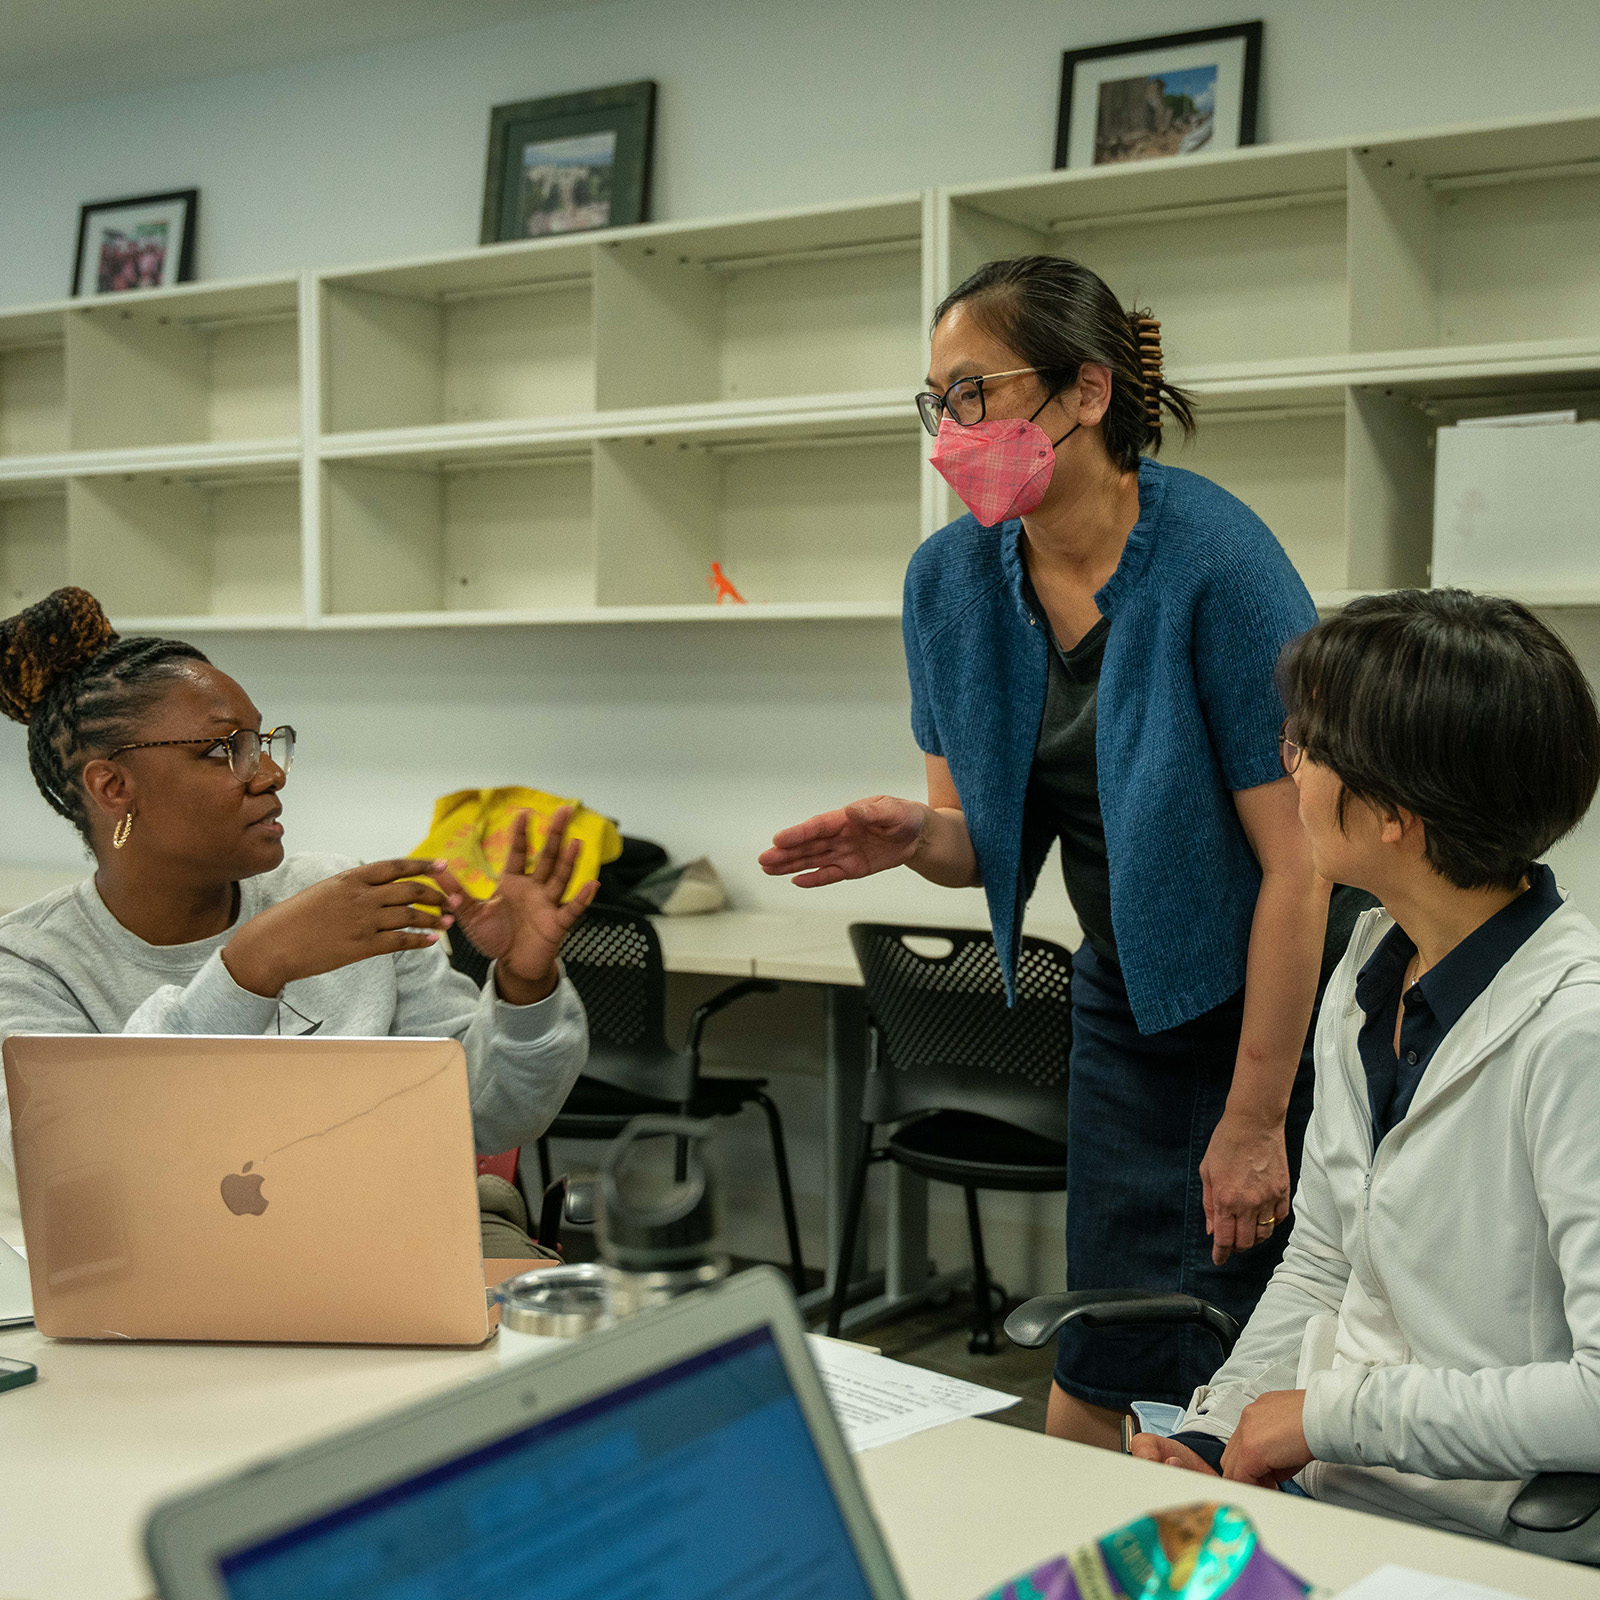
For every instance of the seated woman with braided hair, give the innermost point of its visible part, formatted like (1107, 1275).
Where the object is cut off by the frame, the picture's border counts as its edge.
(195, 922)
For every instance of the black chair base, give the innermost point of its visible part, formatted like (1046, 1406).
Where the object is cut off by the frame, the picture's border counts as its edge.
(972, 1152)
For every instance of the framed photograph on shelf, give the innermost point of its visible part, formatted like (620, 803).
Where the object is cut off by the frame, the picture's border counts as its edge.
(569, 163)
(1172, 96)
(143, 242)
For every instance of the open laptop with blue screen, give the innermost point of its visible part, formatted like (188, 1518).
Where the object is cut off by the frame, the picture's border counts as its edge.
(688, 1454)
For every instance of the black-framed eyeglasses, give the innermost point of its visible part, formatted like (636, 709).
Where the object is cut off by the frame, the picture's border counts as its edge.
(242, 747)
(963, 400)
(1290, 751)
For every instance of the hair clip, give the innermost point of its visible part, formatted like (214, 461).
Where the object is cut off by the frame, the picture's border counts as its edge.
(1147, 338)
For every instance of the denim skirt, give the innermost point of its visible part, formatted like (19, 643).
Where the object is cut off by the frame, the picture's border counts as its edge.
(1141, 1109)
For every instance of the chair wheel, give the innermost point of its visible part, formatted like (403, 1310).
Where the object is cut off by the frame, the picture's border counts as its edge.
(997, 1297)
(980, 1342)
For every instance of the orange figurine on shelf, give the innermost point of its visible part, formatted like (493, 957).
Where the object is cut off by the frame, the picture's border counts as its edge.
(723, 584)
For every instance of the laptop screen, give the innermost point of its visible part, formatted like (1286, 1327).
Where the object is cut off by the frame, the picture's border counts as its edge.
(700, 1480)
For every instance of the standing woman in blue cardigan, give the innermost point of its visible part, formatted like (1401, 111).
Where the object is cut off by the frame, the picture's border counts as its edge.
(1091, 655)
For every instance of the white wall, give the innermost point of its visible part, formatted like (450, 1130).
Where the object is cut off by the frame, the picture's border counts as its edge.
(763, 102)
(706, 738)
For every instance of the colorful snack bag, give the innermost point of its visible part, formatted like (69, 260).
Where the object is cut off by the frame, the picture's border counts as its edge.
(1202, 1551)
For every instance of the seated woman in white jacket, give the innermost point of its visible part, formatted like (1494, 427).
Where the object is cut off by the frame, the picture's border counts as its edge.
(194, 921)
(1432, 1336)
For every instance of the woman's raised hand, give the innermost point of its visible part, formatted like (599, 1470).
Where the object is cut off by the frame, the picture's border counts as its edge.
(867, 836)
(374, 910)
(521, 926)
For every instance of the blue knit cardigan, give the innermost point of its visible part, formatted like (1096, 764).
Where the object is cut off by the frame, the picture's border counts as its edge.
(1200, 605)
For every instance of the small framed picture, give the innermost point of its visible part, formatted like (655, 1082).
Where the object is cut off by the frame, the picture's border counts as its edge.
(143, 242)
(1172, 96)
(569, 163)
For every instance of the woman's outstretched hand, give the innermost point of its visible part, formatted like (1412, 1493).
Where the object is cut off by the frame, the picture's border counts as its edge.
(520, 927)
(867, 836)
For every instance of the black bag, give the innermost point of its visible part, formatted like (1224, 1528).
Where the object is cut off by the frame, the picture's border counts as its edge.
(619, 878)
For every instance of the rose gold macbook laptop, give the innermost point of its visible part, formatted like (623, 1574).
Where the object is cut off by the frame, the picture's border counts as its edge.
(306, 1190)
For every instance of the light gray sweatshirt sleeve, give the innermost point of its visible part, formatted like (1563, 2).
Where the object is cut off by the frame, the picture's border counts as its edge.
(522, 1061)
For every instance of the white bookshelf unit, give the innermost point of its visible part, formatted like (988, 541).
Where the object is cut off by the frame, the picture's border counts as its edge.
(571, 430)
(1330, 306)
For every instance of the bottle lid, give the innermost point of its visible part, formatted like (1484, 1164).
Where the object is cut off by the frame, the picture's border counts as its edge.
(647, 1219)
(555, 1302)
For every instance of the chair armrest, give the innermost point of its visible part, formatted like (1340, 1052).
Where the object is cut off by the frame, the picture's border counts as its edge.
(720, 1002)
(1036, 1322)
(1556, 1502)
(568, 1199)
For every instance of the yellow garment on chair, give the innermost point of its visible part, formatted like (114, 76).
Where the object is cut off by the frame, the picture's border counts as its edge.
(472, 831)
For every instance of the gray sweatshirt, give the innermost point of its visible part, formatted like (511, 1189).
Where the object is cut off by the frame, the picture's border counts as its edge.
(68, 966)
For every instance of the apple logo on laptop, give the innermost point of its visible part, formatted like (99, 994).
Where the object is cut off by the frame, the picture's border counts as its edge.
(241, 1192)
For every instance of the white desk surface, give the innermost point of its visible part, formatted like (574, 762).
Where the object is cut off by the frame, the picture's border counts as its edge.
(810, 946)
(110, 1428)
(968, 1505)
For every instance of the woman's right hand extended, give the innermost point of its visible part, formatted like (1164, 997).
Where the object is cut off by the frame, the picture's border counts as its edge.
(375, 910)
(1169, 1452)
(867, 836)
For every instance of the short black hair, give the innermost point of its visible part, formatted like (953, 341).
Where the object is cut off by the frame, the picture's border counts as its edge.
(80, 689)
(1056, 314)
(1464, 710)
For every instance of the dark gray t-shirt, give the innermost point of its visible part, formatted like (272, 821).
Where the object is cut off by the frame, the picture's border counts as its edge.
(1064, 786)
(1064, 795)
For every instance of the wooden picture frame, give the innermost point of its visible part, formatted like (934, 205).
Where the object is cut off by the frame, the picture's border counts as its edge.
(1173, 95)
(143, 241)
(569, 163)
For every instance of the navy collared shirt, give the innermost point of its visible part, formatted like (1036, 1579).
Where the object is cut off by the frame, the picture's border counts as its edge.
(1434, 1004)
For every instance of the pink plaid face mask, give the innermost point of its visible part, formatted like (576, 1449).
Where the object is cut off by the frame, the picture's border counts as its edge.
(1000, 469)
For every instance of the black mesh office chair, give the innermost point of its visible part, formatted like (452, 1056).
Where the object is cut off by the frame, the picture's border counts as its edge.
(1550, 1502)
(613, 958)
(978, 1090)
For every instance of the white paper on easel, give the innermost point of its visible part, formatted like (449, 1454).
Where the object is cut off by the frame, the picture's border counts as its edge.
(878, 1400)
(1404, 1583)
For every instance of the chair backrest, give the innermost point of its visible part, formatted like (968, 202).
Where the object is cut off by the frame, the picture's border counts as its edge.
(613, 958)
(947, 1039)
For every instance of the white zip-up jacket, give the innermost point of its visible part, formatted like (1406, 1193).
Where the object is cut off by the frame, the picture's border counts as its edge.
(1439, 1300)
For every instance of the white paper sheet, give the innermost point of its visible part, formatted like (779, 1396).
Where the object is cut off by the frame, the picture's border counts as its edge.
(878, 1400)
(1404, 1583)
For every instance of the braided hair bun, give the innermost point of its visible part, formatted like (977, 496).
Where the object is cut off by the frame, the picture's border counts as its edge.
(81, 689)
(41, 645)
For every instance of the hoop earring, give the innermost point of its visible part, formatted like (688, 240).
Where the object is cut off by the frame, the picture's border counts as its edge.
(119, 835)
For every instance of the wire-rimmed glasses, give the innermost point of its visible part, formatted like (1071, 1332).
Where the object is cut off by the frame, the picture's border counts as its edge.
(963, 400)
(243, 748)
(1290, 751)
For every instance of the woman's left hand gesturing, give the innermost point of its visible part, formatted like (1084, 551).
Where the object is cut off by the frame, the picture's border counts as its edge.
(1244, 1184)
(520, 927)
